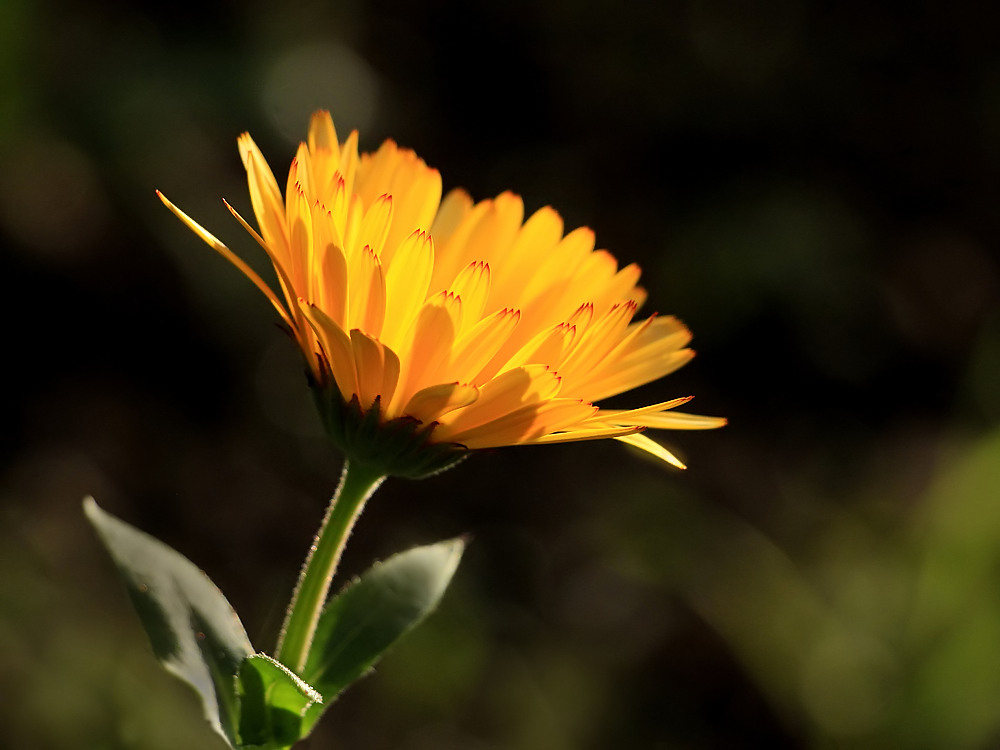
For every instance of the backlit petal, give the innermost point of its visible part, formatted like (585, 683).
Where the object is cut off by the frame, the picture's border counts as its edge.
(459, 322)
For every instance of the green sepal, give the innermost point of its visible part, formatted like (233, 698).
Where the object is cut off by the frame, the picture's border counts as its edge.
(401, 447)
(193, 630)
(372, 613)
(273, 703)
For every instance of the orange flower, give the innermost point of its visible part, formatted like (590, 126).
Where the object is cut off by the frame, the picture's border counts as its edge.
(449, 324)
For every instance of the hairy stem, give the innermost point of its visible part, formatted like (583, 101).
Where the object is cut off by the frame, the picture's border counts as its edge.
(357, 483)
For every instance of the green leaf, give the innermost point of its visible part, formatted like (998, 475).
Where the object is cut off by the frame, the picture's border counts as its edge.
(273, 703)
(371, 614)
(193, 630)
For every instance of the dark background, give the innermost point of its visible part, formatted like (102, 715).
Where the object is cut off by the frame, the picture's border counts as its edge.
(812, 187)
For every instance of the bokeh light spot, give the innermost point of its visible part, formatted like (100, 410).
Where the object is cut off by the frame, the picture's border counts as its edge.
(50, 197)
(320, 76)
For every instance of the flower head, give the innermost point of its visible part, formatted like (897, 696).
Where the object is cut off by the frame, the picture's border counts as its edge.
(435, 326)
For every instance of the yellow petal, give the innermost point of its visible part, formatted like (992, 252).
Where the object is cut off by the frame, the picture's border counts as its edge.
(406, 282)
(592, 348)
(376, 374)
(622, 286)
(535, 239)
(374, 227)
(474, 350)
(560, 262)
(637, 373)
(642, 442)
(428, 348)
(322, 133)
(493, 226)
(651, 350)
(498, 331)
(453, 211)
(265, 197)
(390, 376)
(639, 352)
(229, 255)
(503, 395)
(350, 161)
(450, 253)
(524, 424)
(337, 349)
(374, 176)
(297, 322)
(417, 190)
(328, 277)
(680, 421)
(593, 279)
(472, 286)
(584, 433)
(353, 215)
(366, 295)
(582, 317)
(431, 403)
(300, 241)
(298, 177)
(498, 228)
(547, 348)
(630, 416)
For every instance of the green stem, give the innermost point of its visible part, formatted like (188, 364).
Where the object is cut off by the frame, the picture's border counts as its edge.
(357, 483)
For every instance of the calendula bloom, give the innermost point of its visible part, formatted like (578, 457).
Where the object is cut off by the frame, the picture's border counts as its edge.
(433, 326)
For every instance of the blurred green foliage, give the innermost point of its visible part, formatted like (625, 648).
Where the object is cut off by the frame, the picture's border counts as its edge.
(811, 187)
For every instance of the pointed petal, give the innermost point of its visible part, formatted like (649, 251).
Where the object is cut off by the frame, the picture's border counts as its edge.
(328, 277)
(417, 189)
(472, 286)
(370, 365)
(479, 345)
(265, 196)
(322, 133)
(349, 161)
(337, 348)
(298, 177)
(229, 255)
(679, 421)
(296, 321)
(374, 226)
(642, 442)
(458, 250)
(592, 348)
(534, 240)
(428, 348)
(525, 424)
(561, 261)
(366, 292)
(406, 282)
(628, 416)
(375, 170)
(300, 241)
(581, 434)
(513, 390)
(454, 208)
(547, 348)
(636, 372)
